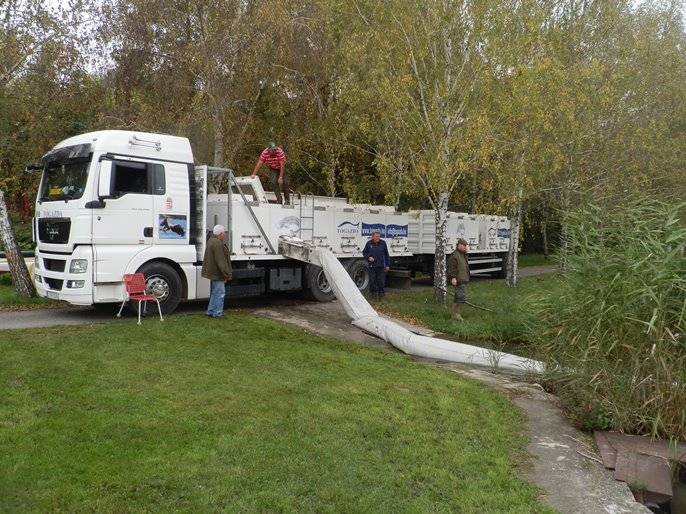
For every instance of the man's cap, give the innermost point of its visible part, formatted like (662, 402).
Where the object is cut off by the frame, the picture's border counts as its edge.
(272, 145)
(218, 229)
(462, 242)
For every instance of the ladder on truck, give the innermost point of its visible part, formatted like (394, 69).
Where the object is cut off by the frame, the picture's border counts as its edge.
(233, 183)
(306, 219)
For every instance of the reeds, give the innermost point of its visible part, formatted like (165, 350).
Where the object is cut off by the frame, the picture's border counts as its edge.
(616, 329)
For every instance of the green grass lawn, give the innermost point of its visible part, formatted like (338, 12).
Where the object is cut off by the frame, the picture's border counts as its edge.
(245, 415)
(535, 259)
(505, 327)
(10, 301)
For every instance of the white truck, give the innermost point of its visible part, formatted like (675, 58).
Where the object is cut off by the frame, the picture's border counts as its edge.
(116, 202)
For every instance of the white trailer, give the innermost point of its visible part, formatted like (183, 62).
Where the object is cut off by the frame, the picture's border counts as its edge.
(116, 202)
(488, 238)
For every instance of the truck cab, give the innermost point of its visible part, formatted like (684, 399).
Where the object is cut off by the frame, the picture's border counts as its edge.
(109, 203)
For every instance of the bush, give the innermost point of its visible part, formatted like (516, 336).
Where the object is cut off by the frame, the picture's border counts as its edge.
(23, 233)
(615, 331)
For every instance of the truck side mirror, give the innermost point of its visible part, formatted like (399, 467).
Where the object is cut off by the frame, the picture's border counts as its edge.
(32, 167)
(105, 179)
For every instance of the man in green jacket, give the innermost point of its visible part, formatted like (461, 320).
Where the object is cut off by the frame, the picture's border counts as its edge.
(458, 274)
(216, 266)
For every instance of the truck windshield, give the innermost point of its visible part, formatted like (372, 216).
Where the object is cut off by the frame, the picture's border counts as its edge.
(65, 173)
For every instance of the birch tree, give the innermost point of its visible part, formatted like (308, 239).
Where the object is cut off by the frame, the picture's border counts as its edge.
(428, 70)
(39, 65)
(20, 274)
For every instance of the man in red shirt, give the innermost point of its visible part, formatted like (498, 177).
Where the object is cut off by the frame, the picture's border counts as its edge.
(275, 158)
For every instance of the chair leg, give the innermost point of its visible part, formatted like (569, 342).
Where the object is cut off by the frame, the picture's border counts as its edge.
(139, 312)
(121, 308)
(159, 309)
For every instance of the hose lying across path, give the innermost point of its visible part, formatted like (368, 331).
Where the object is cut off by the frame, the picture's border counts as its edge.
(365, 317)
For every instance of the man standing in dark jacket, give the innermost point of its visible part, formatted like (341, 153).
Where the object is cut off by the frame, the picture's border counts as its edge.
(216, 266)
(458, 274)
(378, 261)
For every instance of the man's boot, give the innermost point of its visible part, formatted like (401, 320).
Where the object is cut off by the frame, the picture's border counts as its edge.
(456, 312)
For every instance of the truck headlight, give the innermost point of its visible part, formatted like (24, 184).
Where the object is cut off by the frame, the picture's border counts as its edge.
(75, 284)
(78, 266)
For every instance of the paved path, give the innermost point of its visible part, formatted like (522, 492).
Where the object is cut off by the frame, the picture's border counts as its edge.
(37, 318)
(531, 271)
(88, 315)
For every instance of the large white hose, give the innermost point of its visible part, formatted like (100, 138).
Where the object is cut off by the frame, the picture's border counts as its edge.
(366, 318)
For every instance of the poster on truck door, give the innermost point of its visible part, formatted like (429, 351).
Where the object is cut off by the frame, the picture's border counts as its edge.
(173, 226)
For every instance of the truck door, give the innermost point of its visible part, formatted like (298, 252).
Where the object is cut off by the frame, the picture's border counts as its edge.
(171, 204)
(125, 224)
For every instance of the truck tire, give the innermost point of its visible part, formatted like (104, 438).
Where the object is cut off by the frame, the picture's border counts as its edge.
(316, 285)
(358, 271)
(162, 281)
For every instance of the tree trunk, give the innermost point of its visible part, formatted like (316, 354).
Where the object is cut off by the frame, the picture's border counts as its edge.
(564, 233)
(218, 183)
(544, 235)
(513, 254)
(218, 139)
(475, 188)
(440, 279)
(20, 274)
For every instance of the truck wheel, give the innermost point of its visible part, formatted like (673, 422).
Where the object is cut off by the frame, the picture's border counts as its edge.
(316, 285)
(358, 271)
(162, 281)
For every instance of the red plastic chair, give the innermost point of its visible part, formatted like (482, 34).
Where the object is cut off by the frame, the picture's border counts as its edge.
(135, 290)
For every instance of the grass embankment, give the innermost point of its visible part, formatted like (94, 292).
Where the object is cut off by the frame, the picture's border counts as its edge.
(507, 326)
(244, 414)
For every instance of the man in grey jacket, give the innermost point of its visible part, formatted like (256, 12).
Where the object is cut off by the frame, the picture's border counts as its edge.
(458, 273)
(216, 266)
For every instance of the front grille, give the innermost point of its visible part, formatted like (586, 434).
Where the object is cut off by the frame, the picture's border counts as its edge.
(54, 265)
(53, 283)
(54, 230)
